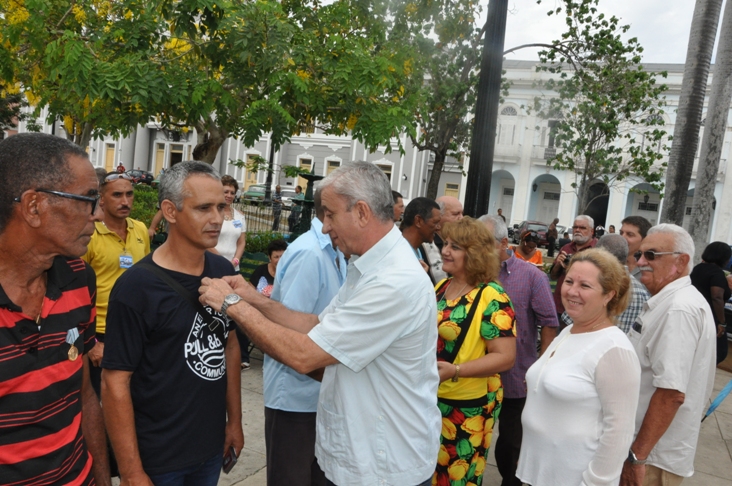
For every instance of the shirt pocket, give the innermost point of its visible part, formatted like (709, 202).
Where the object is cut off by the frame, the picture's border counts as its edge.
(335, 434)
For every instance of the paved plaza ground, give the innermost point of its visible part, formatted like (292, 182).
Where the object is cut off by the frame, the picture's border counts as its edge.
(713, 459)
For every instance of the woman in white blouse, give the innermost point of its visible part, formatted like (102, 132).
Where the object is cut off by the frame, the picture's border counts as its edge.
(582, 393)
(233, 237)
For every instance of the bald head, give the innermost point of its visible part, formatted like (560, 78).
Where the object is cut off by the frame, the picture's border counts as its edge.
(452, 209)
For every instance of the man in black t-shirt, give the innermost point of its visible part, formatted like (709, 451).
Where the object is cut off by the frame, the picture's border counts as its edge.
(171, 405)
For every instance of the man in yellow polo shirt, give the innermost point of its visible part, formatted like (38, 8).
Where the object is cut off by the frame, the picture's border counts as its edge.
(118, 242)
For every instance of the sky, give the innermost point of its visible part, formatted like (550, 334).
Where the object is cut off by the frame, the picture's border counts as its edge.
(661, 26)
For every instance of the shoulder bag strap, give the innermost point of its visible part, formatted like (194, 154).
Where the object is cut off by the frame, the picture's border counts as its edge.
(158, 272)
(468, 319)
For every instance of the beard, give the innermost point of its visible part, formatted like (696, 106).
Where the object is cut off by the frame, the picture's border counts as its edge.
(581, 240)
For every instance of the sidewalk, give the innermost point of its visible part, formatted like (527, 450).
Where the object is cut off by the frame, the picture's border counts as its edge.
(713, 458)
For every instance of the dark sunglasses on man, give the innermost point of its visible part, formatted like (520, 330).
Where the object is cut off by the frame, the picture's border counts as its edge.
(651, 255)
(113, 176)
(94, 200)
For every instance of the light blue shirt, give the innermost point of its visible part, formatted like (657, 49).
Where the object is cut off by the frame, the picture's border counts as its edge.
(307, 279)
(378, 421)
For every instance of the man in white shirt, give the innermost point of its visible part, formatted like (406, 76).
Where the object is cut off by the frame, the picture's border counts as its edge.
(674, 338)
(451, 210)
(377, 419)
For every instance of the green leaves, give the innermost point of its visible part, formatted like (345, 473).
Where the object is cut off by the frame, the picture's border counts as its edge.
(606, 107)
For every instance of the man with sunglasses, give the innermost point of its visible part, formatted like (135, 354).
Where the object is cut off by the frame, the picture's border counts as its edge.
(674, 338)
(48, 207)
(118, 242)
(582, 239)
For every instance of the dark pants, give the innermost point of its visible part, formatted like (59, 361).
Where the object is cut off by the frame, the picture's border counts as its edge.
(205, 473)
(550, 250)
(508, 445)
(722, 346)
(290, 442)
(276, 223)
(428, 482)
(243, 345)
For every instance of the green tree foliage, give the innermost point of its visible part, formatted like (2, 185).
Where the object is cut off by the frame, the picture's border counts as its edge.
(607, 108)
(226, 68)
(448, 44)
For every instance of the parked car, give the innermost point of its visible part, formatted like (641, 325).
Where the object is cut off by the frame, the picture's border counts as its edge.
(255, 194)
(538, 226)
(287, 196)
(141, 176)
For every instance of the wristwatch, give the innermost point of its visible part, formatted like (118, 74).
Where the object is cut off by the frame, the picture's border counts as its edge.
(229, 300)
(632, 459)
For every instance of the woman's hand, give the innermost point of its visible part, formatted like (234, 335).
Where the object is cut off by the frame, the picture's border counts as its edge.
(446, 370)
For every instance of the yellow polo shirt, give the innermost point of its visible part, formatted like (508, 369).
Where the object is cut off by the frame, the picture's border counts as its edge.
(103, 255)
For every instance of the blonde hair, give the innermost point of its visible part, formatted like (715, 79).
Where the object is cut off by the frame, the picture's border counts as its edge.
(481, 259)
(612, 277)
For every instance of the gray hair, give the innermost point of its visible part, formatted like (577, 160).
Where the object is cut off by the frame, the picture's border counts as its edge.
(441, 204)
(172, 180)
(500, 230)
(589, 220)
(362, 181)
(615, 244)
(682, 240)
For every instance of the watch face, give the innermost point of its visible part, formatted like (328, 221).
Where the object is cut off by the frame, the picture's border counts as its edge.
(232, 299)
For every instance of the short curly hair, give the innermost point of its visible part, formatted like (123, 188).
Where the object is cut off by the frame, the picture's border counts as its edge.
(481, 258)
(227, 180)
(612, 277)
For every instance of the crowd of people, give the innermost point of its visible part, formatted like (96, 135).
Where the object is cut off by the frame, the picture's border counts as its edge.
(390, 351)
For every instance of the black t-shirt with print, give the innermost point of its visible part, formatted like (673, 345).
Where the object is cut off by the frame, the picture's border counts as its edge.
(178, 383)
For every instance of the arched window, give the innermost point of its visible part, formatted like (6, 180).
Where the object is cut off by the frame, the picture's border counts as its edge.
(509, 111)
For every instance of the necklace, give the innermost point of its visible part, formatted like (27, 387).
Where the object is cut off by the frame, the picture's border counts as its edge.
(444, 294)
(228, 216)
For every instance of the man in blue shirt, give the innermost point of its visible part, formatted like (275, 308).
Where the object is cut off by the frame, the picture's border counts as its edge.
(308, 277)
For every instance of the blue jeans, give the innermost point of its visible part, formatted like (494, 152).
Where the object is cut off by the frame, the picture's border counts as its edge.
(202, 474)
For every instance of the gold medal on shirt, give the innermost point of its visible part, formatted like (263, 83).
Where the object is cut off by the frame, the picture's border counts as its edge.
(71, 336)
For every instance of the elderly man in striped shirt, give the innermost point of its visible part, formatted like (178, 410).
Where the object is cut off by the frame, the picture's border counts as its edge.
(47, 317)
(529, 290)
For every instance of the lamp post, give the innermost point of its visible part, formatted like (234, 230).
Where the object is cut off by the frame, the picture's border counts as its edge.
(307, 206)
(482, 148)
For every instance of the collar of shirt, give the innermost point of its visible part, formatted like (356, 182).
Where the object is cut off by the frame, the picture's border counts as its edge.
(668, 291)
(323, 239)
(60, 275)
(103, 230)
(510, 263)
(376, 253)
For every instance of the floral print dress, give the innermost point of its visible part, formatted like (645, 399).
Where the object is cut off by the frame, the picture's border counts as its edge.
(470, 405)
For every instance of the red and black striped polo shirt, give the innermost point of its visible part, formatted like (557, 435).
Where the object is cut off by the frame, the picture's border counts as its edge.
(40, 388)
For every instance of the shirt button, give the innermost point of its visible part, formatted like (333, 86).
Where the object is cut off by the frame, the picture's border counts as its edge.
(381, 417)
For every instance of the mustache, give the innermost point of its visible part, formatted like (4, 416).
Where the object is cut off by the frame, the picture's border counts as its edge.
(645, 269)
(128, 208)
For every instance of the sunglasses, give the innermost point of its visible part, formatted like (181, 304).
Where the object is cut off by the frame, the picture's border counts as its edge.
(113, 176)
(94, 200)
(531, 236)
(651, 255)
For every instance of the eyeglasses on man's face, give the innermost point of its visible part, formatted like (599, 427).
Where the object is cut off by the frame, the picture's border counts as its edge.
(94, 200)
(581, 228)
(651, 255)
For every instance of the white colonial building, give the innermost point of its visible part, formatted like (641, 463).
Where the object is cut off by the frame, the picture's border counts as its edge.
(522, 184)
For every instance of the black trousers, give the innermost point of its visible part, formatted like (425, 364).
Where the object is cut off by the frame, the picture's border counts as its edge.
(550, 247)
(508, 445)
(290, 442)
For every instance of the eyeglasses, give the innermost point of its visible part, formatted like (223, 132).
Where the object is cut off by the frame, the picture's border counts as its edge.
(94, 200)
(651, 255)
(583, 228)
(113, 176)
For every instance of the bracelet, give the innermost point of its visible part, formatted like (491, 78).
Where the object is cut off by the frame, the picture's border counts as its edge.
(457, 374)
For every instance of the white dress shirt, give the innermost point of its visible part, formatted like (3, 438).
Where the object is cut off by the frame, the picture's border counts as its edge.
(378, 421)
(677, 350)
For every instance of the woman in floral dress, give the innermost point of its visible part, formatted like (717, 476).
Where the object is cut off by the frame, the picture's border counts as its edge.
(476, 341)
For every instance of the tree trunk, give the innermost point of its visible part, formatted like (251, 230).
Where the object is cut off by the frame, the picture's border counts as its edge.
(208, 142)
(688, 119)
(82, 139)
(434, 183)
(715, 129)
